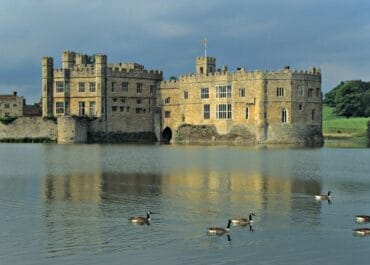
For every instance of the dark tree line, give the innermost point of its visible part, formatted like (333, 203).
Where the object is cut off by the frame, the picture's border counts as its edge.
(350, 99)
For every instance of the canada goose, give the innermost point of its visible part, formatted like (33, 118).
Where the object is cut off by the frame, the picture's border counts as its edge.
(362, 218)
(323, 197)
(362, 231)
(219, 230)
(141, 219)
(243, 221)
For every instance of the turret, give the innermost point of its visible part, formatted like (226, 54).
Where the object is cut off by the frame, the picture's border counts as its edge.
(68, 59)
(47, 85)
(81, 59)
(205, 65)
(101, 83)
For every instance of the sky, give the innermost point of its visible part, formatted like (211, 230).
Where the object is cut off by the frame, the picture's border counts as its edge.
(333, 35)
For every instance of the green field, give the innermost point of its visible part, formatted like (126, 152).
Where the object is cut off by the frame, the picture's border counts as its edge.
(341, 127)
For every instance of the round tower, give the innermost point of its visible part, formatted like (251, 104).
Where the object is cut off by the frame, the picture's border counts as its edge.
(261, 110)
(101, 83)
(47, 86)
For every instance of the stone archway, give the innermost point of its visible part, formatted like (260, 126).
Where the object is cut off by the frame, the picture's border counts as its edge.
(166, 135)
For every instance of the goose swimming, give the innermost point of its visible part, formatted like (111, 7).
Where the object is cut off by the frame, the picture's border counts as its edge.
(323, 197)
(243, 221)
(362, 231)
(141, 219)
(219, 230)
(362, 218)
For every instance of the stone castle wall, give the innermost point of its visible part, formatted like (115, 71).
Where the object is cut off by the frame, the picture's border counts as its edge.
(29, 129)
(72, 130)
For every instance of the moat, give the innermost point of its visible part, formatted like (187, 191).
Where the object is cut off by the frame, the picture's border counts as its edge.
(69, 204)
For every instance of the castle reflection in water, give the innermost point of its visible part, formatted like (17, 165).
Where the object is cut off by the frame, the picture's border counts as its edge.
(69, 179)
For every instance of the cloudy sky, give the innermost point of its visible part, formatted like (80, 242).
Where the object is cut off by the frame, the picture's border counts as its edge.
(166, 34)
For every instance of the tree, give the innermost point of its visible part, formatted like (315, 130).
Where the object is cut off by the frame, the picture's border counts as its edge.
(350, 98)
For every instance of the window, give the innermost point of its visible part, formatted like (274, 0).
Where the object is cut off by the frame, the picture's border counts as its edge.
(201, 70)
(151, 90)
(317, 92)
(81, 87)
(59, 86)
(204, 92)
(81, 108)
(280, 92)
(223, 91)
(114, 99)
(310, 92)
(302, 90)
(139, 88)
(138, 101)
(123, 100)
(167, 114)
(223, 111)
(313, 114)
(300, 107)
(247, 113)
(121, 109)
(59, 107)
(128, 109)
(206, 111)
(114, 108)
(92, 108)
(241, 92)
(14, 105)
(6, 106)
(284, 116)
(167, 100)
(7, 114)
(139, 110)
(113, 86)
(186, 94)
(124, 87)
(92, 87)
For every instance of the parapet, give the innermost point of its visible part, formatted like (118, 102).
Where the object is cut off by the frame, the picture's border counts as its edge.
(128, 66)
(168, 84)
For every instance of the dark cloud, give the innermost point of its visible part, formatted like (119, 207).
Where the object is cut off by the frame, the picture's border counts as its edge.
(166, 34)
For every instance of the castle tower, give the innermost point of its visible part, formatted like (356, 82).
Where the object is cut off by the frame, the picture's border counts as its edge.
(205, 65)
(261, 111)
(47, 86)
(101, 83)
(68, 59)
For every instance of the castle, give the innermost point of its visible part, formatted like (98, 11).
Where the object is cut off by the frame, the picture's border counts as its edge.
(124, 102)
(242, 106)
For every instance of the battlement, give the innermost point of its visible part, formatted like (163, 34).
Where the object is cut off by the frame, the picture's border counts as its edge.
(132, 68)
(129, 65)
(168, 84)
(206, 59)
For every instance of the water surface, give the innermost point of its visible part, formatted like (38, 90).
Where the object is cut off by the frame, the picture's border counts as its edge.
(69, 204)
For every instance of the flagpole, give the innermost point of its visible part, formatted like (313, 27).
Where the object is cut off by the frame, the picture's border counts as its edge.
(204, 44)
(205, 47)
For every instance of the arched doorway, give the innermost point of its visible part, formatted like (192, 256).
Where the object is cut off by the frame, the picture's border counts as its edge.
(166, 135)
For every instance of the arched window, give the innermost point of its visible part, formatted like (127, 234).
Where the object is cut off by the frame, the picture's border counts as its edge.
(284, 116)
(247, 113)
(313, 114)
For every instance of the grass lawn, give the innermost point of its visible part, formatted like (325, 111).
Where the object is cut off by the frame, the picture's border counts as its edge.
(342, 127)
